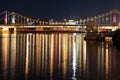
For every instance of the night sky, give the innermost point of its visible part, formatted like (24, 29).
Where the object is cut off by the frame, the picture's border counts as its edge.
(59, 9)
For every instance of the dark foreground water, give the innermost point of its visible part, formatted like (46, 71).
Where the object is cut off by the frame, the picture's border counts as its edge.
(57, 56)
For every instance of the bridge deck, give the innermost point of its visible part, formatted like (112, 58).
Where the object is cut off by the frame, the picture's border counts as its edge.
(54, 28)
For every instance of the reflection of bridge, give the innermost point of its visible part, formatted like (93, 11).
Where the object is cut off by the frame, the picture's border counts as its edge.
(104, 20)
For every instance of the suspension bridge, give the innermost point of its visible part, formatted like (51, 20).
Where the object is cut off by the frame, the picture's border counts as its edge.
(105, 20)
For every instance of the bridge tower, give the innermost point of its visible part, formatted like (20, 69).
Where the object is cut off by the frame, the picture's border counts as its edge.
(114, 16)
(5, 18)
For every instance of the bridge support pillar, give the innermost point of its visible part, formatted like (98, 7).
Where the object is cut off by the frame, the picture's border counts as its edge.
(5, 18)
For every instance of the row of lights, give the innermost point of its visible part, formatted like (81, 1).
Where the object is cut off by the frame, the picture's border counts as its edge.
(25, 20)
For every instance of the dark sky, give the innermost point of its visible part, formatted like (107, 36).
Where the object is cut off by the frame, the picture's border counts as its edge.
(59, 9)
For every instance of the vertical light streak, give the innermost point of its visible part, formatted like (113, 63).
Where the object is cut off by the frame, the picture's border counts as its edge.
(5, 54)
(46, 52)
(74, 59)
(103, 57)
(107, 61)
(64, 54)
(59, 49)
(40, 52)
(37, 54)
(70, 47)
(55, 47)
(12, 59)
(84, 57)
(27, 52)
(80, 50)
(14, 50)
(99, 61)
(51, 54)
(43, 53)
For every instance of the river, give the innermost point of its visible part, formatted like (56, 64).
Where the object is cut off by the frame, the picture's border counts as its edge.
(57, 56)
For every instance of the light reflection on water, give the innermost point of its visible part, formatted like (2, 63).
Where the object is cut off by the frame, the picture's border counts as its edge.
(56, 56)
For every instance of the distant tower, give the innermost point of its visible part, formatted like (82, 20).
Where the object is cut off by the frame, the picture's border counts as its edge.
(5, 18)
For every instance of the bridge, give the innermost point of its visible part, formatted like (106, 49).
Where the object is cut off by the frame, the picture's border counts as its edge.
(105, 20)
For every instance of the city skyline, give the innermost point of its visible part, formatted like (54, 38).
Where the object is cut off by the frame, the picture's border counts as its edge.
(59, 9)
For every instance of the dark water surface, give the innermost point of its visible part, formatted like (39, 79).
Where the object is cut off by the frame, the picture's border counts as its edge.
(57, 56)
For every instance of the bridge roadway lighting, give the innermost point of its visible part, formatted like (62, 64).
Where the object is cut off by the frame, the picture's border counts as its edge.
(88, 19)
(110, 12)
(95, 19)
(39, 22)
(99, 19)
(91, 19)
(27, 19)
(81, 21)
(65, 20)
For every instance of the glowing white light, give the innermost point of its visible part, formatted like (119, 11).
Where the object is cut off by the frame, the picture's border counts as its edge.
(14, 29)
(74, 34)
(71, 22)
(5, 29)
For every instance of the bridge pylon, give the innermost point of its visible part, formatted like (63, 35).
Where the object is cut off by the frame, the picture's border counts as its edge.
(5, 18)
